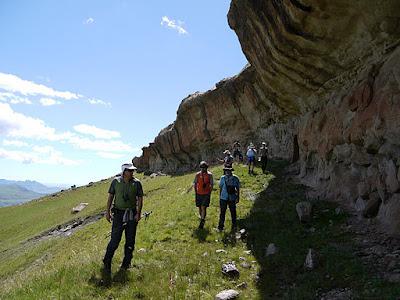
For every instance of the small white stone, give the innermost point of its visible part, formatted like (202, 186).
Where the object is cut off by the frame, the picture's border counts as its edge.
(227, 294)
(221, 251)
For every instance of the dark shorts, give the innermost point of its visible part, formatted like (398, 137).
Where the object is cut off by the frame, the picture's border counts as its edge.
(251, 159)
(202, 200)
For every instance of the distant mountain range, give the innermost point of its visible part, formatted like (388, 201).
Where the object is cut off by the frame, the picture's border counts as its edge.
(14, 192)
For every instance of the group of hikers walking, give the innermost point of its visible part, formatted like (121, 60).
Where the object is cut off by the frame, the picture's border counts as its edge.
(229, 184)
(125, 199)
(251, 155)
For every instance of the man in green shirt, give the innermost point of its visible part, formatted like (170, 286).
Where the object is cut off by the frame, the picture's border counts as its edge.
(127, 194)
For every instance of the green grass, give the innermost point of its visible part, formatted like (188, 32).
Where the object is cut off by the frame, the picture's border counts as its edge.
(180, 261)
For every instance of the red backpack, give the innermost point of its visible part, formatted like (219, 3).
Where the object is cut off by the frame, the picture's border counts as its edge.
(203, 184)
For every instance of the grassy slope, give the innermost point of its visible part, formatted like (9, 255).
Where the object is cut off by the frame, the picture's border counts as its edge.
(180, 262)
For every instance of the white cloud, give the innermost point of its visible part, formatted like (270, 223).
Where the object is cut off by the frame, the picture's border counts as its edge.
(15, 143)
(49, 101)
(165, 21)
(48, 155)
(109, 155)
(14, 84)
(13, 99)
(97, 132)
(89, 21)
(99, 102)
(43, 149)
(99, 145)
(18, 125)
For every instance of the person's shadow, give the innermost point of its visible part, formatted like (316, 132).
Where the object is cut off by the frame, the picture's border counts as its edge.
(201, 234)
(121, 277)
(105, 280)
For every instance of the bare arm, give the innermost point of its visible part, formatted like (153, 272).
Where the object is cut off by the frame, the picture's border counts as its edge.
(139, 205)
(194, 185)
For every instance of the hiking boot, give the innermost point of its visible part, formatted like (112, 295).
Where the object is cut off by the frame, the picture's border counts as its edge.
(201, 225)
(124, 267)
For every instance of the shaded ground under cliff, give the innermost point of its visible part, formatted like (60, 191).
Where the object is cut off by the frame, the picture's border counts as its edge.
(352, 259)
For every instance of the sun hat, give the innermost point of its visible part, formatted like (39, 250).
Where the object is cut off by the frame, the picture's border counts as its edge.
(128, 166)
(227, 151)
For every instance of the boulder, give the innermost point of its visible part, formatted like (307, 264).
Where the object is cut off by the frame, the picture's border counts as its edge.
(271, 250)
(229, 269)
(79, 207)
(304, 210)
(227, 294)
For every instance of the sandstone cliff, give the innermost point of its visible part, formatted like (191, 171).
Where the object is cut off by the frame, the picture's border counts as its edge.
(322, 85)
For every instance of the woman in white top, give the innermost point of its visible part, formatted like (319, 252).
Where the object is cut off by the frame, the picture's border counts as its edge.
(251, 157)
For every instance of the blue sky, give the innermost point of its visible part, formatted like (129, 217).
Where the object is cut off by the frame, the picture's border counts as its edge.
(84, 85)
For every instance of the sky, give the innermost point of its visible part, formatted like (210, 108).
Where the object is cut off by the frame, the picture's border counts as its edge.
(84, 85)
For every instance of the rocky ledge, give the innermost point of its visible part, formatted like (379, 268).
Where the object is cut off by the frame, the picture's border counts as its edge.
(322, 88)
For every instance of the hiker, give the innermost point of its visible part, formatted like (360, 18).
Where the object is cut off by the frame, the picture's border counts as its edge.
(251, 157)
(236, 151)
(228, 159)
(126, 194)
(229, 188)
(203, 184)
(264, 156)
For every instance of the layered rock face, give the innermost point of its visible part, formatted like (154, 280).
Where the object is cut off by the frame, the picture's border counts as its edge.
(322, 86)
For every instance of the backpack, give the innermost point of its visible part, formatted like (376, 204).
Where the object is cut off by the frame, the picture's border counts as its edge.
(203, 184)
(251, 153)
(230, 188)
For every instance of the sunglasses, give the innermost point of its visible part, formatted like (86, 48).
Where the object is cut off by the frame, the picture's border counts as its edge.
(128, 170)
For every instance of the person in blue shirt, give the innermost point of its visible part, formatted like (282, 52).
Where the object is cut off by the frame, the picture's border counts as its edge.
(229, 191)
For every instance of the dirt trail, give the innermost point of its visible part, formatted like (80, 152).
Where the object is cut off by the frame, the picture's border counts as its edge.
(67, 228)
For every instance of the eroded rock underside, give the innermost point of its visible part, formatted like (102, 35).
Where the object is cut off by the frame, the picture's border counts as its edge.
(322, 88)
